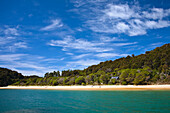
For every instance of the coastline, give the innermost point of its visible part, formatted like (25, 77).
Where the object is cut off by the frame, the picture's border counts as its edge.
(90, 87)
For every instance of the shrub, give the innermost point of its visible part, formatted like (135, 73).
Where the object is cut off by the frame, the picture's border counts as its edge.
(79, 80)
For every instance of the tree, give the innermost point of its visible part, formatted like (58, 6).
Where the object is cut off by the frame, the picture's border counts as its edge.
(89, 79)
(66, 80)
(124, 75)
(124, 83)
(112, 81)
(8, 77)
(133, 55)
(104, 79)
(60, 81)
(139, 79)
(58, 73)
(71, 81)
(80, 80)
(55, 82)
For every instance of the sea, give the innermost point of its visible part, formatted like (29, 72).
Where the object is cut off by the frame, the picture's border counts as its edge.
(57, 101)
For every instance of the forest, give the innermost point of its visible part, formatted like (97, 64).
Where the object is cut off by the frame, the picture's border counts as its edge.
(149, 68)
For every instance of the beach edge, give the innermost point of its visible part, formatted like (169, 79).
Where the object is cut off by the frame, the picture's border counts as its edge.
(91, 87)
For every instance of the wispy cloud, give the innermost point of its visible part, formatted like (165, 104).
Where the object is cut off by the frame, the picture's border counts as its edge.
(11, 39)
(110, 55)
(28, 64)
(54, 25)
(11, 57)
(69, 53)
(130, 19)
(16, 60)
(5, 40)
(20, 45)
(80, 3)
(80, 56)
(156, 13)
(156, 44)
(83, 63)
(124, 44)
(109, 39)
(102, 45)
(79, 44)
(11, 31)
(10, 46)
(151, 46)
(17, 45)
(122, 11)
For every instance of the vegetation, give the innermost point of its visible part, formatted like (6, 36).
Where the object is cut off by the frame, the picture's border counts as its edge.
(149, 68)
(8, 76)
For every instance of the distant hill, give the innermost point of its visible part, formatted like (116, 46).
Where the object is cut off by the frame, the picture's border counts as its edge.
(158, 59)
(8, 76)
(153, 67)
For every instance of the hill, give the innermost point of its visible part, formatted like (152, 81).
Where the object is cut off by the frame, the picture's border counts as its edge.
(153, 67)
(158, 59)
(8, 76)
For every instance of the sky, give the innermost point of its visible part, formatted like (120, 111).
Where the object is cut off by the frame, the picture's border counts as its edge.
(39, 36)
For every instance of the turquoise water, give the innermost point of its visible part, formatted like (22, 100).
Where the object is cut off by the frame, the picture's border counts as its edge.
(54, 101)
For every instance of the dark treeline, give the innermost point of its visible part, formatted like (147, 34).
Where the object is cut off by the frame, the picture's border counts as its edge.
(9, 77)
(149, 68)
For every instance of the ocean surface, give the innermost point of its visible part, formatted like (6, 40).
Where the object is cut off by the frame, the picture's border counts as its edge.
(55, 101)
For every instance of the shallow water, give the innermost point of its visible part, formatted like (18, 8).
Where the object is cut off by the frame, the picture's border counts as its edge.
(55, 101)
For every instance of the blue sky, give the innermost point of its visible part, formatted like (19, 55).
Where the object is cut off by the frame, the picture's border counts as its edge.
(39, 36)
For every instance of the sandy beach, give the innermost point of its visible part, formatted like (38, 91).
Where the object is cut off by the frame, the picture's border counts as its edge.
(90, 87)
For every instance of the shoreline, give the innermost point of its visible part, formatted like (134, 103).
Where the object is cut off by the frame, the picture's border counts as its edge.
(90, 87)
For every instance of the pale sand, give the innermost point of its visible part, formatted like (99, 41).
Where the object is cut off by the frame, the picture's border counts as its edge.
(90, 87)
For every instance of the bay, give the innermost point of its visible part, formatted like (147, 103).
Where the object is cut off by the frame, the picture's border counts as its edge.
(56, 101)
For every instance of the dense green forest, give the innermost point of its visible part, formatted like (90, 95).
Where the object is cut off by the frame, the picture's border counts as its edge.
(149, 68)
(9, 77)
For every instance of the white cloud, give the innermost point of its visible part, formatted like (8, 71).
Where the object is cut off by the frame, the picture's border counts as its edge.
(155, 25)
(80, 56)
(102, 45)
(124, 44)
(11, 39)
(110, 55)
(16, 60)
(136, 32)
(156, 44)
(20, 45)
(11, 57)
(80, 3)
(11, 31)
(55, 24)
(156, 13)
(84, 63)
(14, 46)
(30, 72)
(79, 44)
(122, 27)
(119, 11)
(28, 64)
(131, 20)
(108, 39)
(69, 53)
(79, 29)
(6, 40)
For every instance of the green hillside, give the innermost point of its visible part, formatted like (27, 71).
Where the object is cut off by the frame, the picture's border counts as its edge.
(158, 59)
(8, 77)
(153, 67)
